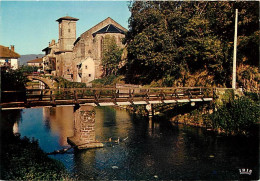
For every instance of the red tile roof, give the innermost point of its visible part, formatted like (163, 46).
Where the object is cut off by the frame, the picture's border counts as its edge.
(5, 52)
(37, 60)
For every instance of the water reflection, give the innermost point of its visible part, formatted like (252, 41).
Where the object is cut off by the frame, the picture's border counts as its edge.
(164, 152)
(60, 122)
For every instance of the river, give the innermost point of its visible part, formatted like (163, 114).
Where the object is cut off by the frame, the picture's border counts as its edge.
(164, 152)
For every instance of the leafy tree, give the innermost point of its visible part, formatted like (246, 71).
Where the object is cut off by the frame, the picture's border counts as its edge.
(176, 39)
(111, 56)
(13, 80)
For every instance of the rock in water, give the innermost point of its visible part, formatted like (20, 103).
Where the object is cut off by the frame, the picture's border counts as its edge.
(115, 167)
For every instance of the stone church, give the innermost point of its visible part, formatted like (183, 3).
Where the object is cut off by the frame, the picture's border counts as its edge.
(79, 59)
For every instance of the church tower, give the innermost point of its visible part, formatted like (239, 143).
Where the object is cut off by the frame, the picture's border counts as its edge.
(67, 37)
(67, 32)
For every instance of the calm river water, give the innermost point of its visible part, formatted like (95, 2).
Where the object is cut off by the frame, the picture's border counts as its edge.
(164, 152)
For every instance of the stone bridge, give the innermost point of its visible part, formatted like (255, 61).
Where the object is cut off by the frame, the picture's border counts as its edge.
(49, 83)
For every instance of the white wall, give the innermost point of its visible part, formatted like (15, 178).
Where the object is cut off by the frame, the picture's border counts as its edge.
(88, 70)
(14, 64)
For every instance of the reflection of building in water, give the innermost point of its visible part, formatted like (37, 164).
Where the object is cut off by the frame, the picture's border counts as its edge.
(16, 128)
(111, 123)
(60, 122)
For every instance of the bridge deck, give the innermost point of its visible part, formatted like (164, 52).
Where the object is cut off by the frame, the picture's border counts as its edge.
(109, 97)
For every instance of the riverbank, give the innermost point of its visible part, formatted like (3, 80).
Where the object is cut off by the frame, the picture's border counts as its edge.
(22, 158)
(231, 113)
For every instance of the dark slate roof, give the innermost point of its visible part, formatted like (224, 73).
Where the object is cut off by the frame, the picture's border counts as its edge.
(5, 52)
(109, 29)
(67, 18)
(76, 41)
(46, 49)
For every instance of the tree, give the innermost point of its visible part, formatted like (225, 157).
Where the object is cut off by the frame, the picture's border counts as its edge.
(177, 39)
(111, 56)
(13, 80)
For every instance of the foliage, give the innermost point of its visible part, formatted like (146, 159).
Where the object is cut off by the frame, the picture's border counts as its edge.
(236, 116)
(63, 83)
(22, 159)
(111, 56)
(248, 77)
(177, 39)
(110, 80)
(28, 69)
(13, 80)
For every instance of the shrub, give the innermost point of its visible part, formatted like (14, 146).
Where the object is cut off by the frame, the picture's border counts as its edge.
(63, 83)
(236, 116)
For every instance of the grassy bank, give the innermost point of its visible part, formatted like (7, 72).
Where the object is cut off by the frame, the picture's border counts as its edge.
(22, 158)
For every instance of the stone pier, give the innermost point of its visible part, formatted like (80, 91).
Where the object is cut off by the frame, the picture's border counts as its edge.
(84, 129)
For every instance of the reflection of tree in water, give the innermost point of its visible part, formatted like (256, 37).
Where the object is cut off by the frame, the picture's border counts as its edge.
(8, 119)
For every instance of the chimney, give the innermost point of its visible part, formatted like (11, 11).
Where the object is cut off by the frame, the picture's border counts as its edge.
(12, 48)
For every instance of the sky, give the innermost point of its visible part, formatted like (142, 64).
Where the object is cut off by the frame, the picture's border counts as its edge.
(31, 25)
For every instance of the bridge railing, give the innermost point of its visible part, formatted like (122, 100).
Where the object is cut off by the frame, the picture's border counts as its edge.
(115, 93)
(97, 95)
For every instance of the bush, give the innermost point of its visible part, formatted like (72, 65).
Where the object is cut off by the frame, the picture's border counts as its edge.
(236, 116)
(63, 83)
(13, 80)
(23, 159)
(110, 81)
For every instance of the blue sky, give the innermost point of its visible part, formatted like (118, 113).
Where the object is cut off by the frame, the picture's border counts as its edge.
(30, 25)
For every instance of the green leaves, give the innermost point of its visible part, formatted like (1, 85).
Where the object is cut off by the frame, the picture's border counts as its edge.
(111, 56)
(236, 116)
(169, 37)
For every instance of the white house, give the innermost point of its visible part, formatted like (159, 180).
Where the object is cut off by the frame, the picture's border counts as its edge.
(8, 57)
(86, 70)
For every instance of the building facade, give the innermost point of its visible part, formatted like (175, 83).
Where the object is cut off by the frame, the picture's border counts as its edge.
(8, 57)
(38, 62)
(79, 59)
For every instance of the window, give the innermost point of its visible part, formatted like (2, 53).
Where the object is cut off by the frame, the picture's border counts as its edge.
(68, 70)
(69, 30)
(89, 75)
(86, 67)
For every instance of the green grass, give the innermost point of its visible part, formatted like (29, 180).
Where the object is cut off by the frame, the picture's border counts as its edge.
(23, 159)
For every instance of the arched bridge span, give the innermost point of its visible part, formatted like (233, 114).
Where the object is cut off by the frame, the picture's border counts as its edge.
(49, 83)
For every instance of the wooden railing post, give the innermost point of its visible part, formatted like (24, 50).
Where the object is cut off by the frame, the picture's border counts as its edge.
(147, 96)
(41, 95)
(52, 97)
(131, 96)
(75, 96)
(96, 97)
(25, 98)
(162, 95)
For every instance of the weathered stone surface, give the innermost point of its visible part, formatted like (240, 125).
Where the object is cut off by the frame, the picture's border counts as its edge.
(84, 129)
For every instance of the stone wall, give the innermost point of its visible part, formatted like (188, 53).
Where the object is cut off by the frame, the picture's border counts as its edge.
(91, 46)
